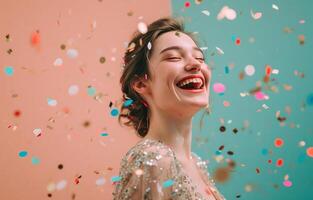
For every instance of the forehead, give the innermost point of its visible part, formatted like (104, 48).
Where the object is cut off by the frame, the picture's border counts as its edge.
(173, 38)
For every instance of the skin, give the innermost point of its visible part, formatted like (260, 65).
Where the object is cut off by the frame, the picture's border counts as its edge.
(172, 109)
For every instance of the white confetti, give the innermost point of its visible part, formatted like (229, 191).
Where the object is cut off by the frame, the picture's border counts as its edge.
(52, 102)
(227, 12)
(149, 45)
(256, 15)
(58, 62)
(37, 132)
(73, 89)
(275, 7)
(142, 27)
(61, 185)
(72, 53)
(203, 48)
(51, 187)
(206, 12)
(100, 181)
(219, 50)
(250, 70)
(275, 71)
(265, 106)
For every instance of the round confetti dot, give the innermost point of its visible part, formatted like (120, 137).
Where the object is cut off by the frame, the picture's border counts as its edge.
(226, 103)
(35, 160)
(72, 53)
(58, 62)
(278, 142)
(17, 113)
(238, 41)
(187, 4)
(219, 88)
(102, 60)
(142, 27)
(222, 128)
(287, 183)
(61, 185)
(35, 38)
(302, 143)
(60, 166)
(91, 91)
(309, 99)
(9, 71)
(114, 112)
(249, 70)
(279, 162)
(264, 151)
(72, 90)
(22, 154)
(100, 181)
(52, 102)
(63, 46)
(309, 152)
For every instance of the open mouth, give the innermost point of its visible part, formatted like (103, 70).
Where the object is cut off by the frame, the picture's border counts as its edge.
(191, 84)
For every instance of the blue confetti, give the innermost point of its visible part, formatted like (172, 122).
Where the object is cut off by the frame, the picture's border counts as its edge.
(116, 178)
(9, 70)
(264, 151)
(128, 102)
(114, 112)
(104, 134)
(91, 91)
(35, 160)
(22, 154)
(309, 99)
(233, 38)
(218, 152)
(226, 69)
(168, 183)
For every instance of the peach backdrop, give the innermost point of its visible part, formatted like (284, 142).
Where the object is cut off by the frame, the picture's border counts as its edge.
(60, 69)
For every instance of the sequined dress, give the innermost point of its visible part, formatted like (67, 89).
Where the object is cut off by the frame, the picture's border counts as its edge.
(151, 171)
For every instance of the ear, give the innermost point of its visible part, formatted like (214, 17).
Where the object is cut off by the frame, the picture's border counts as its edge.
(140, 85)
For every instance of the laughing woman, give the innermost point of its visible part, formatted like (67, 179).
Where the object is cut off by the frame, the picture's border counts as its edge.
(167, 80)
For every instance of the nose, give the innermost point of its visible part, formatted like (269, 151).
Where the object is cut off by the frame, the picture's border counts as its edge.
(193, 65)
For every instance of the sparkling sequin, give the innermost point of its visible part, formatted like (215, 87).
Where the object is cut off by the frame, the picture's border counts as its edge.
(157, 165)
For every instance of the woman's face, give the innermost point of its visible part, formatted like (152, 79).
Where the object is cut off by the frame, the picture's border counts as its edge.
(174, 57)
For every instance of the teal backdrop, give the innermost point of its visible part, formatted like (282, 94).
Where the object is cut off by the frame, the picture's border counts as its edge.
(257, 132)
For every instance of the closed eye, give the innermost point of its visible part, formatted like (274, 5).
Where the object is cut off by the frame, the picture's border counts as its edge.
(173, 58)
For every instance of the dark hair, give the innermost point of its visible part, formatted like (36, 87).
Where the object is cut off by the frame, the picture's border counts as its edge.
(136, 66)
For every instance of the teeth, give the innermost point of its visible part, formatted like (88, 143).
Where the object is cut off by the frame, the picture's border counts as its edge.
(194, 80)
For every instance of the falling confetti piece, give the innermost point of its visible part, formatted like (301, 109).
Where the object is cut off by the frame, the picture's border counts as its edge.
(58, 62)
(61, 185)
(256, 15)
(128, 102)
(187, 4)
(52, 102)
(100, 181)
(149, 45)
(73, 90)
(35, 38)
(260, 95)
(114, 112)
(301, 39)
(139, 172)
(72, 53)
(102, 60)
(249, 70)
(104, 134)
(301, 143)
(278, 142)
(22, 154)
(206, 12)
(17, 113)
(219, 88)
(37, 132)
(279, 162)
(35, 160)
(226, 103)
(219, 50)
(287, 183)
(51, 187)
(168, 183)
(227, 12)
(142, 27)
(226, 69)
(116, 178)
(309, 152)
(275, 7)
(309, 99)
(91, 91)
(9, 71)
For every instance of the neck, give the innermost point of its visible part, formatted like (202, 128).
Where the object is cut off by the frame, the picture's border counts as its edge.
(175, 133)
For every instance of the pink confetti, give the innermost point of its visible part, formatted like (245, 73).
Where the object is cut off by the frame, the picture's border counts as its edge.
(219, 88)
(287, 183)
(259, 95)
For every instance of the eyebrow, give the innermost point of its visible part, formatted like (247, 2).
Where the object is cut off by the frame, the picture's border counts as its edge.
(180, 48)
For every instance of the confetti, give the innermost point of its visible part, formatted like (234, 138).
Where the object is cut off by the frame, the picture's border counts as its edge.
(219, 88)
(206, 12)
(275, 7)
(128, 102)
(22, 154)
(116, 178)
(35, 38)
(73, 90)
(309, 99)
(102, 60)
(187, 4)
(301, 39)
(104, 134)
(168, 183)
(260, 96)
(256, 15)
(301, 143)
(149, 45)
(114, 112)
(9, 71)
(220, 51)
(72, 53)
(100, 181)
(35, 160)
(142, 27)
(309, 152)
(52, 102)
(249, 70)
(91, 90)
(279, 162)
(61, 185)
(37, 132)
(278, 142)
(227, 12)
(287, 183)
(58, 62)
(226, 69)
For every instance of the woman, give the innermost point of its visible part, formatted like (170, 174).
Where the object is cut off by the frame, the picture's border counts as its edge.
(166, 81)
